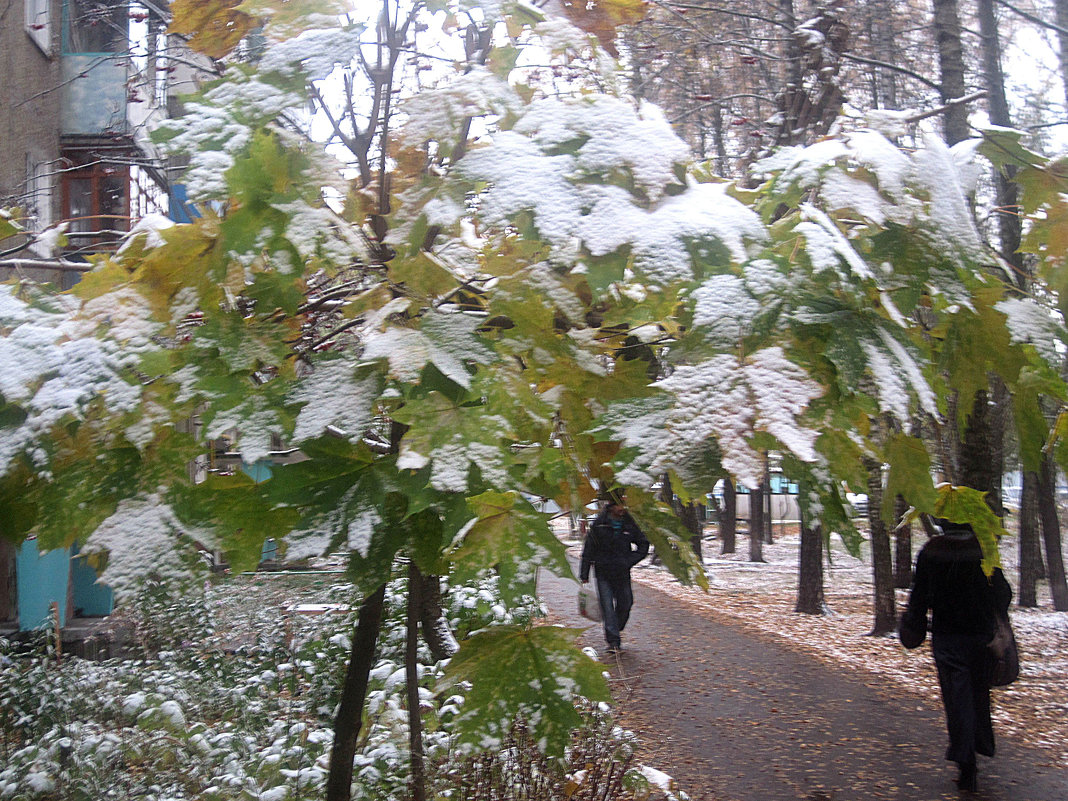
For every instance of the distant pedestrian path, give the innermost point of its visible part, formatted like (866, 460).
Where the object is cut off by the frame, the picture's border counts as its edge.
(735, 716)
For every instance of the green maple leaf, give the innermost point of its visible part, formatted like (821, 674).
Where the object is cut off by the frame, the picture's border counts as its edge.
(667, 534)
(508, 534)
(452, 438)
(976, 344)
(967, 505)
(532, 674)
(18, 512)
(91, 473)
(1032, 429)
(422, 275)
(239, 511)
(910, 475)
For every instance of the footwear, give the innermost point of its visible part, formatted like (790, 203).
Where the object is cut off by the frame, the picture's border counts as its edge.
(967, 780)
(614, 650)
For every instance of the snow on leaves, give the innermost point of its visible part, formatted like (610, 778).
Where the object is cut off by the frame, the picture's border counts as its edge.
(1031, 323)
(55, 369)
(724, 308)
(437, 114)
(446, 340)
(897, 377)
(143, 534)
(333, 396)
(314, 54)
(219, 126)
(864, 173)
(593, 172)
(451, 439)
(723, 399)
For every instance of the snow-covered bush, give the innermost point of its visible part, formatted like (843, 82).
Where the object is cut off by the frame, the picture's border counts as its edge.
(235, 698)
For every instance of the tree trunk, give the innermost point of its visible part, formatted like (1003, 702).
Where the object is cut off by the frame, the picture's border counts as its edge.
(756, 524)
(978, 465)
(411, 680)
(902, 546)
(1061, 7)
(767, 504)
(728, 519)
(353, 694)
(951, 65)
(1030, 547)
(810, 599)
(719, 138)
(1051, 533)
(694, 519)
(436, 632)
(881, 563)
(994, 78)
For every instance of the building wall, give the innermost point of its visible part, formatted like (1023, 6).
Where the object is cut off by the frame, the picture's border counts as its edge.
(29, 102)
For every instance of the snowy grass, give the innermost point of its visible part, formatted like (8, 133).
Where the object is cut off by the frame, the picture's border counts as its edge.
(233, 697)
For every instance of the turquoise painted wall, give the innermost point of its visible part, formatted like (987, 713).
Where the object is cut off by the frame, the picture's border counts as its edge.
(42, 578)
(91, 599)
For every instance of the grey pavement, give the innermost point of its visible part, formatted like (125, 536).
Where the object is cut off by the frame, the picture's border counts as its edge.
(734, 715)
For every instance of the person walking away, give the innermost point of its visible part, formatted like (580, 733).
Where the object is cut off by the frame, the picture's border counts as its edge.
(613, 546)
(949, 581)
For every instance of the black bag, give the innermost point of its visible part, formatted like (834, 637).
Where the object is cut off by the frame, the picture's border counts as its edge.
(1004, 655)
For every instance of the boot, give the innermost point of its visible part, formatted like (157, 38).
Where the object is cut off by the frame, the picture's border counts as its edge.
(967, 780)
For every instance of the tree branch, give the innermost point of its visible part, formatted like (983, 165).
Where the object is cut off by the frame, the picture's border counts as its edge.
(1032, 18)
(894, 67)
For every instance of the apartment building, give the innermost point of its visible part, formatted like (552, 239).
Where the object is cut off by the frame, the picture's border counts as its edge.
(83, 82)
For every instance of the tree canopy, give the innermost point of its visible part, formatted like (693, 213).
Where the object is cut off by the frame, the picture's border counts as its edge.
(520, 291)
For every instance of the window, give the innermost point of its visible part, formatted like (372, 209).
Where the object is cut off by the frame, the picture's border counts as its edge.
(39, 23)
(38, 200)
(96, 204)
(96, 26)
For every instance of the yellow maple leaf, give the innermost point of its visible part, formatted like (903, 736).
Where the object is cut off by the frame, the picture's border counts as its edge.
(214, 27)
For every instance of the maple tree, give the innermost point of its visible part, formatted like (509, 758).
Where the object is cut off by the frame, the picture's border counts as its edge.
(478, 324)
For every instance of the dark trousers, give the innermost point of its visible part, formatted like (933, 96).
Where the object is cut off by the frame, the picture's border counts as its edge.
(963, 675)
(616, 597)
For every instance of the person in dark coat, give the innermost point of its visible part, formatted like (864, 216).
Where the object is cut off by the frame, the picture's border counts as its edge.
(949, 580)
(613, 546)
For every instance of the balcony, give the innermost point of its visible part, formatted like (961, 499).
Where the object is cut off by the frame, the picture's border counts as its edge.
(110, 66)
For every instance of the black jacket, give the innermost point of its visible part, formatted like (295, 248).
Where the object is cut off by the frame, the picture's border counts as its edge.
(950, 582)
(612, 553)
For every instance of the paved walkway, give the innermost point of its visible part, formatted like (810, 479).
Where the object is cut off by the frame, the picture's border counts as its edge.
(736, 716)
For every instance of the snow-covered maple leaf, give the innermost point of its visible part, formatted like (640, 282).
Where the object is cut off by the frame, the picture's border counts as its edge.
(725, 399)
(445, 340)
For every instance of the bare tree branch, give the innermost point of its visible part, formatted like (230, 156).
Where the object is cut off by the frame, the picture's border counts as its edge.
(888, 66)
(1032, 18)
